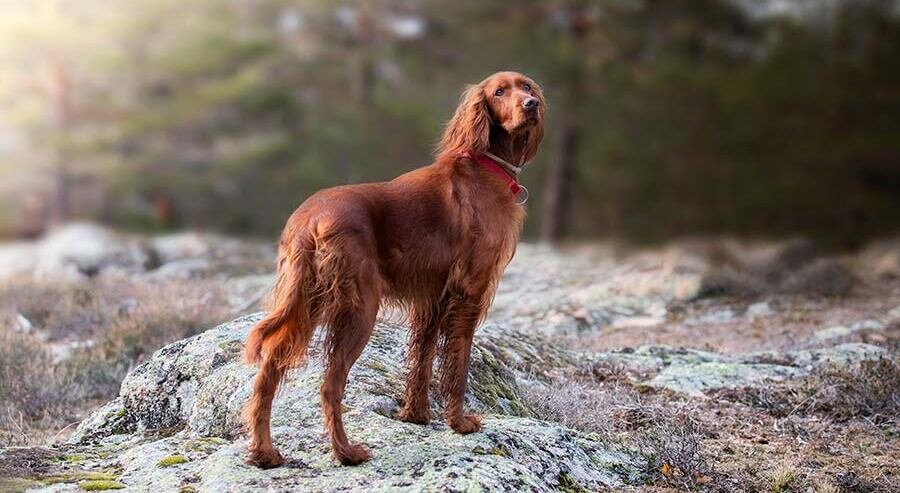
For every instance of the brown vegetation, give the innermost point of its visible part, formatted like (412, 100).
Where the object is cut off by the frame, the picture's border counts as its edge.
(65, 347)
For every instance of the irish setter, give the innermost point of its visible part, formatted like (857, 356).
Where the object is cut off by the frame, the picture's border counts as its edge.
(433, 241)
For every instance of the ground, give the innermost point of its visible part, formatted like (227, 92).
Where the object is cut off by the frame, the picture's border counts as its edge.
(707, 365)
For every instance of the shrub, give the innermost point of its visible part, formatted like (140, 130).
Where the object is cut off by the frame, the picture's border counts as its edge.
(673, 454)
(869, 389)
(47, 382)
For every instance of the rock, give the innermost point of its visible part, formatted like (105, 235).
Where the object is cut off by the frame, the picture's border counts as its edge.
(569, 293)
(841, 331)
(893, 315)
(193, 254)
(731, 282)
(17, 259)
(23, 324)
(796, 267)
(189, 268)
(696, 372)
(180, 246)
(186, 401)
(247, 292)
(80, 250)
(882, 258)
(823, 277)
(714, 317)
(62, 351)
(840, 355)
(702, 377)
(639, 322)
(788, 257)
(759, 310)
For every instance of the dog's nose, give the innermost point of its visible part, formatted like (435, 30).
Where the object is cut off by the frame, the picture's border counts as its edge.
(531, 103)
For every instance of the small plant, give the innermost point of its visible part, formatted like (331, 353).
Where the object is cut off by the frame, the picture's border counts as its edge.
(172, 460)
(785, 479)
(100, 485)
(673, 454)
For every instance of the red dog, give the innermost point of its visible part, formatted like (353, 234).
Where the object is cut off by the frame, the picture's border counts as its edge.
(434, 240)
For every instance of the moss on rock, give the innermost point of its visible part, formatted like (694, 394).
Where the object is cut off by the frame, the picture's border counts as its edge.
(172, 460)
(100, 485)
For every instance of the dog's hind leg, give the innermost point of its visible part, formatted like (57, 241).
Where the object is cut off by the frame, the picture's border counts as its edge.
(258, 414)
(351, 319)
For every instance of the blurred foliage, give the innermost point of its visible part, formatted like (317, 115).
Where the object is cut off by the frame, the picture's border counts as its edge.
(694, 117)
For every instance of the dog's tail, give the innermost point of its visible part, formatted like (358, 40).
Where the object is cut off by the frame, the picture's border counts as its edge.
(284, 335)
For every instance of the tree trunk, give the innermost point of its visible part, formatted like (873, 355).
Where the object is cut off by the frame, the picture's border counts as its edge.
(558, 190)
(59, 88)
(556, 209)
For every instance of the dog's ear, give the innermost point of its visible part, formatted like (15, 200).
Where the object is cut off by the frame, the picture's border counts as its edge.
(535, 134)
(470, 128)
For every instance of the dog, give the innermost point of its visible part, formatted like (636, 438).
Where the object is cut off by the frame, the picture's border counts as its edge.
(433, 241)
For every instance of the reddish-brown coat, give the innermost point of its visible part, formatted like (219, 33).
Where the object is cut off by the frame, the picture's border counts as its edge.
(434, 241)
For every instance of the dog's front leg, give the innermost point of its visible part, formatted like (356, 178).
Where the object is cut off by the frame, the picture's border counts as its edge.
(420, 357)
(464, 313)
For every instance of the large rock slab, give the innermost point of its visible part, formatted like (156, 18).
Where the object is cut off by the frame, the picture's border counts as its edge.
(695, 372)
(567, 293)
(176, 424)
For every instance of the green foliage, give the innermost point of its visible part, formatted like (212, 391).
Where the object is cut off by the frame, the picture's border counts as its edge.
(694, 117)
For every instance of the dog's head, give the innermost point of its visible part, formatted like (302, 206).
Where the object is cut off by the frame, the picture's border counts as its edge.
(504, 102)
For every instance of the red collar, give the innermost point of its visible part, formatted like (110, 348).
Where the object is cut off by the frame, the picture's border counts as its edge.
(495, 168)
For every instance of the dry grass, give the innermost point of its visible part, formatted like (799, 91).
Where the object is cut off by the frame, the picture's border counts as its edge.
(83, 340)
(606, 403)
(658, 426)
(869, 390)
(813, 435)
(605, 410)
(674, 454)
(786, 479)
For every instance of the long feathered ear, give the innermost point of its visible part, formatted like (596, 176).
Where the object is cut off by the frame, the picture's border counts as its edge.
(536, 134)
(470, 128)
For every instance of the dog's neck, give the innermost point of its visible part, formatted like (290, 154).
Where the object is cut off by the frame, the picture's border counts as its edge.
(510, 148)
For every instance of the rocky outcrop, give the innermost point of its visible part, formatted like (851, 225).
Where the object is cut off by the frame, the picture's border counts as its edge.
(695, 372)
(176, 424)
(574, 292)
(78, 251)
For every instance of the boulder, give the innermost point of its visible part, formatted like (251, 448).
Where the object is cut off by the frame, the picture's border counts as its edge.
(176, 424)
(17, 259)
(81, 250)
(567, 293)
(194, 254)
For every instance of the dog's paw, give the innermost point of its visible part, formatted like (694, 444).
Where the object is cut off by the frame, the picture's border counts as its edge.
(416, 416)
(465, 424)
(353, 454)
(265, 458)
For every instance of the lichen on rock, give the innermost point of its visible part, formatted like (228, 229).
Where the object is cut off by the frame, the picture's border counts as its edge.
(185, 402)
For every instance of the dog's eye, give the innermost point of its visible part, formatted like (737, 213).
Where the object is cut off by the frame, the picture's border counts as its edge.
(498, 92)
(527, 87)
